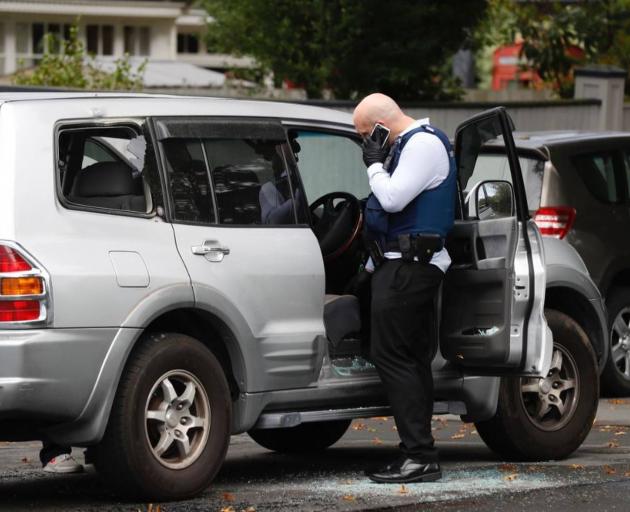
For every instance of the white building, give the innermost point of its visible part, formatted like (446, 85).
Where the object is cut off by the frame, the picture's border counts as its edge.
(157, 30)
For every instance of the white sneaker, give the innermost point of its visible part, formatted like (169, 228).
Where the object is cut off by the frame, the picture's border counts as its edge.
(64, 463)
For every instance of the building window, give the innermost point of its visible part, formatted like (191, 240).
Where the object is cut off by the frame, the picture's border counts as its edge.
(37, 38)
(129, 40)
(2, 49)
(21, 40)
(144, 41)
(187, 43)
(91, 34)
(100, 39)
(107, 33)
(31, 40)
(136, 40)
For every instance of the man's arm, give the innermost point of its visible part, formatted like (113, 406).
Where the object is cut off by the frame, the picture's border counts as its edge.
(423, 164)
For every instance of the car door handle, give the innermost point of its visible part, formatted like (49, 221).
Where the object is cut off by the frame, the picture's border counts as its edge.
(211, 250)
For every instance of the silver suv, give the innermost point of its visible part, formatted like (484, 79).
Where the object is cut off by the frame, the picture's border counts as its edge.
(175, 270)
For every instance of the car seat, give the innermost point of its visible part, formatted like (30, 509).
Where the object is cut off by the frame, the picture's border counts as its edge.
(107, 185)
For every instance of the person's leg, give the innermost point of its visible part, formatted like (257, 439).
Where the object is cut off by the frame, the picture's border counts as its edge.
(51, 450)
(58, 459)
(402, 297)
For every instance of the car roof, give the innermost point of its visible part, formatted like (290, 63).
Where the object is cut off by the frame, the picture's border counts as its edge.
(541, 139)
(186, 104)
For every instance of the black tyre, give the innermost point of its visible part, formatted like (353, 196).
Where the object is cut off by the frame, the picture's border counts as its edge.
(545, 419)
(616, 375)
(307, 437)
(169, 427)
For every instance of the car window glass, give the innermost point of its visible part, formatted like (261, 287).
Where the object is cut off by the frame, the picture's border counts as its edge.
(187, 178)
(493, 166)
(104, 168)
(330, 163)
(230, 181)
(597, 171)
(251, 181)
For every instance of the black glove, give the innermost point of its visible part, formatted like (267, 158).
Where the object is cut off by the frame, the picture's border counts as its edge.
(373, 152)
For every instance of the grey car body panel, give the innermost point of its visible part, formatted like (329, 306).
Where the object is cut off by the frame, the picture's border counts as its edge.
(473, 396)
(270, 288)
(37, 374)
(565, 269)
(278, 367)
(89, 425)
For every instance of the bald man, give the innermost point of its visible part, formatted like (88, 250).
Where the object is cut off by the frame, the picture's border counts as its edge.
(412, 176)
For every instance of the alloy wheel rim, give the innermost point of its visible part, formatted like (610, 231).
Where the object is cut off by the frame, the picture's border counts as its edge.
(177, 419)
(620, 343)
(551, 402)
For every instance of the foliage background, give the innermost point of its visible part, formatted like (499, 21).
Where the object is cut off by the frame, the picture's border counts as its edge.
(399, 47)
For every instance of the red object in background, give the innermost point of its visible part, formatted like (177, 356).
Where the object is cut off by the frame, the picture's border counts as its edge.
(507, 67)
(289, 84)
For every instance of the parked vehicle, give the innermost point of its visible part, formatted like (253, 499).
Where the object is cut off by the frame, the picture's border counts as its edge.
(578, 189)
(165, 284)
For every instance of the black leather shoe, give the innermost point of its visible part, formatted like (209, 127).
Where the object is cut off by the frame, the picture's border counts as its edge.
(407, 471)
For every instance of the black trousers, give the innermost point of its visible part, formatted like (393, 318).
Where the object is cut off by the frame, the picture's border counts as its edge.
(51, 450)
(402, 348)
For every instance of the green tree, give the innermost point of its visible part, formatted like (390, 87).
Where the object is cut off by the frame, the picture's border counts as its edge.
(65, 63)
(550, 29)
(400, 47)
(601, 28)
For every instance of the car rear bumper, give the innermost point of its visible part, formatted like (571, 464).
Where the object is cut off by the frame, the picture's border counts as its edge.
(49, 374)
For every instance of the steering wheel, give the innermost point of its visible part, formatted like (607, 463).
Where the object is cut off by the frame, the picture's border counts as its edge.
(337, 218)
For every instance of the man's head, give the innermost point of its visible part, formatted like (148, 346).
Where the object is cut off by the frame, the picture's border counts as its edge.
(379, 108)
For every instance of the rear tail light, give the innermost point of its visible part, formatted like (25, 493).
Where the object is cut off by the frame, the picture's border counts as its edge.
(19, 310)
(555, 221)
(24, 293)
(11, 261)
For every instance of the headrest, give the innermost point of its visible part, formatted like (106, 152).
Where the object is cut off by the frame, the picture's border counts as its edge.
(105, 179)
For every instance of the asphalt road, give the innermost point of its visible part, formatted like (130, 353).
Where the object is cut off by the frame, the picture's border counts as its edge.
(597, 476)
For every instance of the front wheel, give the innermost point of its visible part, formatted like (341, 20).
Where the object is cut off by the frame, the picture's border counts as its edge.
(169, 428)
(307, 437)
(548, 418)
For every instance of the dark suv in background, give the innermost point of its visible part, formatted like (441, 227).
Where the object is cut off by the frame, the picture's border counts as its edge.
(578, 188)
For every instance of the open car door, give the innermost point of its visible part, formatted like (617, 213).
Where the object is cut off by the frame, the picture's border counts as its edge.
(493, 298)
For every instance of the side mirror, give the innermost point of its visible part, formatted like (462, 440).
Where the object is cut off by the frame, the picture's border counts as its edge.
(493, 200)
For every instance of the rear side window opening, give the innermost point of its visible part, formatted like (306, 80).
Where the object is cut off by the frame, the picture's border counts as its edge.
(107, 169)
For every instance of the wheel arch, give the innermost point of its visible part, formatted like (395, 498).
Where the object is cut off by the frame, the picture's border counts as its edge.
(213, 332)
(574, 303)
(207, 327)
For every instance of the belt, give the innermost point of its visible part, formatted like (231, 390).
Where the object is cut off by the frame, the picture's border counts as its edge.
(394, 246)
